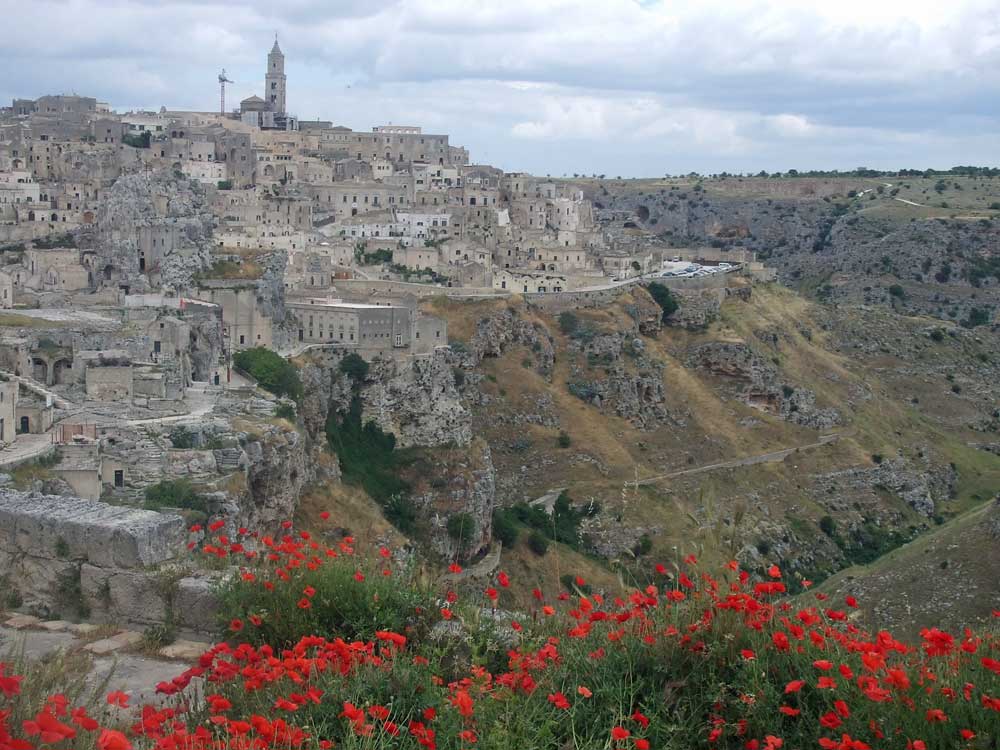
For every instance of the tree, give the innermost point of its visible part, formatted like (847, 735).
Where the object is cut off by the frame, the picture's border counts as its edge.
(568, 322)
(664, 299)
(354, 367)
(505, 528)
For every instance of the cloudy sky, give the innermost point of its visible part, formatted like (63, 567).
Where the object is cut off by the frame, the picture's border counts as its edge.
(629, 87)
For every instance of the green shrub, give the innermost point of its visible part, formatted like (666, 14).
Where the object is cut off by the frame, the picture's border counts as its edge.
(461, 528)
(182, 438)
(342, 606)
(271, 371)
(827, 525)
(568, 323)
(354, 367)
(897, 291)
(565, 441)
(174, 493)
(285, 411)
(142, 140)
(978, 316)
(224, 184)
(643, 547)
(505, 527)
(664, 299)
(937, 335)
(368, 458)
(537, 543)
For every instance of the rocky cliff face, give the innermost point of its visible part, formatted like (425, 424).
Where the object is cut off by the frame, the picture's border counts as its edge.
(463, 482)
(417, 401)
(145, 200)
(496, 332)
(759, 384)
(819, 234)
(921, 483)
(635, 392)
(277, 468)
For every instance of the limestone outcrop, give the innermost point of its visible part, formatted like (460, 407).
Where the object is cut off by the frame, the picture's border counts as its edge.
(153, 205)
(759, 384)
(503, 328)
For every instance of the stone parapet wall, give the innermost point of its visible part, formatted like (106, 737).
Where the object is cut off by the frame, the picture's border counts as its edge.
(68, 557)
(105, 535)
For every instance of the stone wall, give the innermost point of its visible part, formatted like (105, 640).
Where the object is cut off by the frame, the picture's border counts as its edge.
(110, 383)
(555, 302)
(69, 557)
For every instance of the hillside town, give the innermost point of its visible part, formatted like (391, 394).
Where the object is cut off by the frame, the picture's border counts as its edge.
(144, 250)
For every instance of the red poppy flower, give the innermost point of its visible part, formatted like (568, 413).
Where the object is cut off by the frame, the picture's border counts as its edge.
(558, 700)
(111, 739)
(118, 698)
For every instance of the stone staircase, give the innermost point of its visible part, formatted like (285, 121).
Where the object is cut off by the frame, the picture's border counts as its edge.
(228, 459)
(35, 387)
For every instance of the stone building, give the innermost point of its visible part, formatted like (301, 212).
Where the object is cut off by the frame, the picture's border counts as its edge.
(8, 411)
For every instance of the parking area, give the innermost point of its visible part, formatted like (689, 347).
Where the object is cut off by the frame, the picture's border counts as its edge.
(680, 269)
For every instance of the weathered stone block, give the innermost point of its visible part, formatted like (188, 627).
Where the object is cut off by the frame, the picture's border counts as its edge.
(196, 604)
(69, 528)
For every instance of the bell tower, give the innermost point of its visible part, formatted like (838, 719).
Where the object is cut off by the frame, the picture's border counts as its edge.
(274, 79)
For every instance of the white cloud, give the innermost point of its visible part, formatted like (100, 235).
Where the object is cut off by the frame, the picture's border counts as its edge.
(720, 83)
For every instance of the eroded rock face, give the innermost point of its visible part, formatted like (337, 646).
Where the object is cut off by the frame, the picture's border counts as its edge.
(696, 308)
(648, 315)
(496, 332)
(417, 401)
(278, 467)
(466, 485)
(920, 486)
(760, 384)
(145, 202)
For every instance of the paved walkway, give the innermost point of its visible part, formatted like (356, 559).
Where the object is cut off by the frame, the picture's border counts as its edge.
(200, 401)
(763, 458)
(25, 448)
(114, 664)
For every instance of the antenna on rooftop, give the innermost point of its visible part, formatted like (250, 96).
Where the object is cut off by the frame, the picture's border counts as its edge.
(222, 91)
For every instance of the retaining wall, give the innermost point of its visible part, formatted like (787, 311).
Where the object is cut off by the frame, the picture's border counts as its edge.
(63, 556)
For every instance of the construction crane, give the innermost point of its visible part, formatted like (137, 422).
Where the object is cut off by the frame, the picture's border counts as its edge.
(222, 92)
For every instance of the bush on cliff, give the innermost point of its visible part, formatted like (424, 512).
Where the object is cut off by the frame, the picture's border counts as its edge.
(662, 296)
(271, 371)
